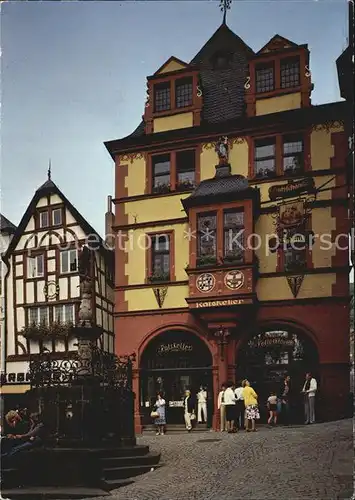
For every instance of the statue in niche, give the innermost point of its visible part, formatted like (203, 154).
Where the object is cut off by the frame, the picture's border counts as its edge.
(222, 150)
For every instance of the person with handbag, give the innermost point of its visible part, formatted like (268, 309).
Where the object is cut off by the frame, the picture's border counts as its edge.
(189, 410)
(158, 414)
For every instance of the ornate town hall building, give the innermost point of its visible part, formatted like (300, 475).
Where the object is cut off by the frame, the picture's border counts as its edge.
(230, 197)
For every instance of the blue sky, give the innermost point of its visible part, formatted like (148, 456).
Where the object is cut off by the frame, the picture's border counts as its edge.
(73, 76)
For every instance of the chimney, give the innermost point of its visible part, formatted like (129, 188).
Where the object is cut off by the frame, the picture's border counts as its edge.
(223, 170)
(109, 222)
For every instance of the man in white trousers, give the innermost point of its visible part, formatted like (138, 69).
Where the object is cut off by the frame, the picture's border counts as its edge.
(309, 391)
(202, 405)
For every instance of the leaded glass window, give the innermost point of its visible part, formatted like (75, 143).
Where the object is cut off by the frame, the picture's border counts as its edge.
(265, 158)
(265, 78)
(206, 244)
(293, 157)
(162, 96)
(183, 92)
(233, 235)
(290, 73)
(161, 256)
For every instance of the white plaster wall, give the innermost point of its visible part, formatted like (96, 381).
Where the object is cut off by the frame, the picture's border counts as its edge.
(19, 291)
(30, 297)
(55, 199)
(9, 332)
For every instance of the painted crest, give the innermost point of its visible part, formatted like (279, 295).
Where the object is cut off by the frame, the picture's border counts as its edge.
(295, 282)
(234, 280)
(160, 294)
(205, 282)
(51, 290)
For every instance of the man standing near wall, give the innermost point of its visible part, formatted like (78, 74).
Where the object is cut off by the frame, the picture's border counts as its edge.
(309, 390)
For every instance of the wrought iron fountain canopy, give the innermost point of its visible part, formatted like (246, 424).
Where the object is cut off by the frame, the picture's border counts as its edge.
(83, 400)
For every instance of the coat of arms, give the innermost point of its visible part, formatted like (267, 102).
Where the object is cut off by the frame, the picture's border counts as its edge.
(205, 282)
(234, 280)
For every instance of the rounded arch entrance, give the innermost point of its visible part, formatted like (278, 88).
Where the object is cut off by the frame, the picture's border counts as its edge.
(171, 362)
(275, 351)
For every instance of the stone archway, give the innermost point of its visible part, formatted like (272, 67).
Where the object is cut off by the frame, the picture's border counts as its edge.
(172, 361)
(275, 351)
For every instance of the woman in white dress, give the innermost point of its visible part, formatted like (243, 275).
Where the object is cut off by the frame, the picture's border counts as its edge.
(160, 421)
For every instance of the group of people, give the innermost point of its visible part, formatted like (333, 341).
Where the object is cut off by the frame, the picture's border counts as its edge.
(23, 431)
(239, 406)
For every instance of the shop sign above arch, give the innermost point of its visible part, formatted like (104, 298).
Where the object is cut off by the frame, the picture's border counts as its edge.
(278, 346)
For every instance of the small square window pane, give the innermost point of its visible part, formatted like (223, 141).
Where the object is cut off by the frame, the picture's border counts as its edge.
(264, 150)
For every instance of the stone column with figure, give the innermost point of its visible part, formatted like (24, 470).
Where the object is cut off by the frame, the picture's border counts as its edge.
(86, 330)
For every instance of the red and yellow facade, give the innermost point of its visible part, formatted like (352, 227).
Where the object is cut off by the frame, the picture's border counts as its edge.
(203, 320)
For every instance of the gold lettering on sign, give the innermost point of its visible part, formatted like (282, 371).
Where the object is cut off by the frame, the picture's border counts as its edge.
(219, 303)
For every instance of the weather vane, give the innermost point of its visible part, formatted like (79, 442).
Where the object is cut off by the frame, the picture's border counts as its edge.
(49, 169)
(224, 6)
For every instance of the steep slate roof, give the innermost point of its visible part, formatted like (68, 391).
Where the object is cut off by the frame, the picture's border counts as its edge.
(223, 89)
(6, 226)
(46, 189)
(223, 186)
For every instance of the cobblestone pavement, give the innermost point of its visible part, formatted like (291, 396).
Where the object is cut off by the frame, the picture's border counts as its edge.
(306, 462)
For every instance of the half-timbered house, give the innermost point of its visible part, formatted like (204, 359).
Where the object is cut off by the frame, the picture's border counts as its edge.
(7, 230)
(42, 293)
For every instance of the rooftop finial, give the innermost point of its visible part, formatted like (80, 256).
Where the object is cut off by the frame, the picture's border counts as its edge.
(224, 6)
(49, 169)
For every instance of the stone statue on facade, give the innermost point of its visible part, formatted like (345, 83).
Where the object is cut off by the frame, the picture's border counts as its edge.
(222, 150)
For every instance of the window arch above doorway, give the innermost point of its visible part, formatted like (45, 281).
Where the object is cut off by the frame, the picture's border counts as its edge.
(279, 346)
(175, 360)
(176, 349)
(269, 355)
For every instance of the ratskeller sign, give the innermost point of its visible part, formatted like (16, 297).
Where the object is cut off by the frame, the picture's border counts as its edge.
(221, 303)
(174, 347)
(272, 341)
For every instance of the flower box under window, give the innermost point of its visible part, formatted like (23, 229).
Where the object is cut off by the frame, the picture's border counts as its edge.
(159, 277)
(37, 331)
(207, 260)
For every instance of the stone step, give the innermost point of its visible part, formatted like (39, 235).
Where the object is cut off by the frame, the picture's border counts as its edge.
(114, 484)
(176, 428)
(133, 451)
(151, 458)
(54, 493)
(9, 478)
(127, 472)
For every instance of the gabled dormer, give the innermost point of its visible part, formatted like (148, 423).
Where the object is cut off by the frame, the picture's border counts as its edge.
(174, 97)
(279, 78)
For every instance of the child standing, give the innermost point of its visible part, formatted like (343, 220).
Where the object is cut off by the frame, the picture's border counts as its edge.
(272, 407)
